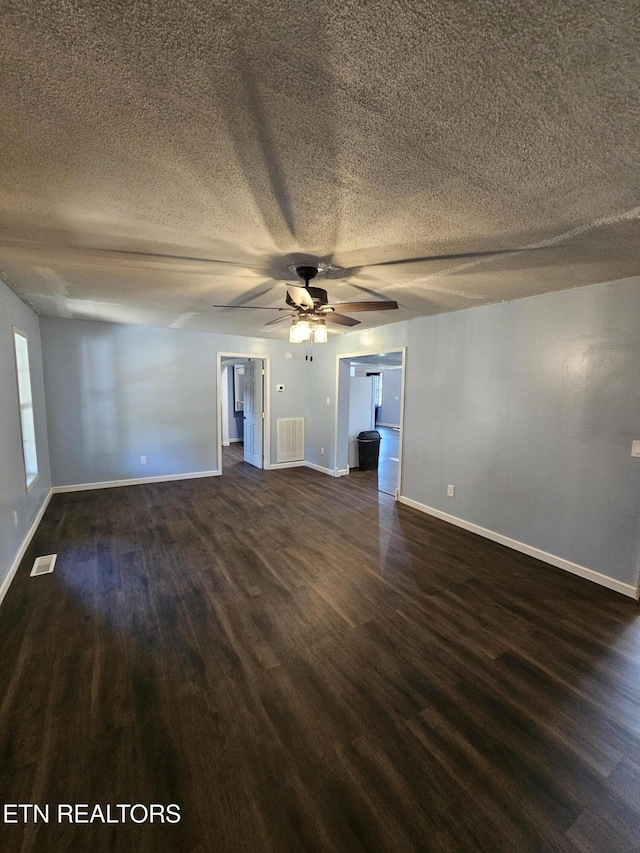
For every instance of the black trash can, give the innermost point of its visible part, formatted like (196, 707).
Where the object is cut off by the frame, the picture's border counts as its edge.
(369, 450)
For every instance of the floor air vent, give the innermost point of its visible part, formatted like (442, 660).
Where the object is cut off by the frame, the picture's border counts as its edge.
(43, 565)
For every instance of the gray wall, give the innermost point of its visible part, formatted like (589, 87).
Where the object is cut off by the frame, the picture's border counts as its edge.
(529, 409)
(389, 412)
(13, 493)
(116, 393)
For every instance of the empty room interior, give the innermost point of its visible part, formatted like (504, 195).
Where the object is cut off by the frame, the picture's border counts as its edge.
(320, 426)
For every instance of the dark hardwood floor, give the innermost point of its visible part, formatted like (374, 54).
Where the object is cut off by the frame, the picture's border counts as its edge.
(303, 665)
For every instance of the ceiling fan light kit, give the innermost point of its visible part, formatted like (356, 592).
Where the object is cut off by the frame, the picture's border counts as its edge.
(310, 310)
(303, 330)
(320, 334)
(299, 332)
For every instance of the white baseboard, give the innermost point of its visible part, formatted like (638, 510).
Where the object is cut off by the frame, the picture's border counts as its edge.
(544, 556)
(6, 583)
(320, 468)
(304, 464)
(233, 440)
(330, 471)
(138, 481)
(276, 466)
(391, 426)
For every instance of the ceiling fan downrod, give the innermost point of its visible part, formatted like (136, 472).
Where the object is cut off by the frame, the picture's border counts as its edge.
(307, 274)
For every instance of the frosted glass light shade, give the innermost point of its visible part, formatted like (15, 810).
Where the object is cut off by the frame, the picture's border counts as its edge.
(320, 335)
(299, 332)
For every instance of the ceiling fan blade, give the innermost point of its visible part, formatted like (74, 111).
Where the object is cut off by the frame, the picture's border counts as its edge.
(252, 307)
(280, 319)
(382, 305)
(98, 250)
(340, 319)
(453, 257)
(300, 298)
(161, 256)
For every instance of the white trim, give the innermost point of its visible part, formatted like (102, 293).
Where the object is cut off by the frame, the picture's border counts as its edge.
(332, 472)
(276, 466)
(224, 403)
(136, 481)
(530, 550)
(30, 477)
(234, 440)
(266, 403)
(391, 426)
(352, 355)
(6, 583)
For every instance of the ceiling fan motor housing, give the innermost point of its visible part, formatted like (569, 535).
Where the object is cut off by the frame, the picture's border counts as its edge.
(307, 273)
(319, 295)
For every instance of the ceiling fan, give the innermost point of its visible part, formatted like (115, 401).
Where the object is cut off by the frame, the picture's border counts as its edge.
(310, 309)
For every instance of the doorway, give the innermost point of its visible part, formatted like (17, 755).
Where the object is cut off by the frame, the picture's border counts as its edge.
(243, 402)
(371, 397)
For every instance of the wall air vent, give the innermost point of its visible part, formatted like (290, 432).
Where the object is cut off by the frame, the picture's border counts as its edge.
(290, 439)
(43, 565)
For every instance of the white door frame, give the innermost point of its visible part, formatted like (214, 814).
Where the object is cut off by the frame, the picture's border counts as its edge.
(266, 388)
(350, 355)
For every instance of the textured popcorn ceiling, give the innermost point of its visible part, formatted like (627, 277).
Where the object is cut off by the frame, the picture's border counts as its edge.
(259, 133)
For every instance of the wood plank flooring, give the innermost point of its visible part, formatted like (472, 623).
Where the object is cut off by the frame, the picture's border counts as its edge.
(303, 665)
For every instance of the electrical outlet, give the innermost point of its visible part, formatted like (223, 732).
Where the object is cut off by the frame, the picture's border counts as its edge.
(322, 451)
(15, 518)
(450, 491)
(328, 401)
(143, 460)
(635, 448)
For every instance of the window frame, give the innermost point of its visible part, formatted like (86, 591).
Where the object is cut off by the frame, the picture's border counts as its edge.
(30, 477)
(377, 373)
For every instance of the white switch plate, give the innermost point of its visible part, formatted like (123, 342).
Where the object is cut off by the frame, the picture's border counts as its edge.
(322, 451)
(143, 460)
(635, 448)
(450, 491)
(15, 518)
(328, 401)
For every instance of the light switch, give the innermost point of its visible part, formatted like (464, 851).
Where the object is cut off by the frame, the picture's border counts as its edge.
(635, 447)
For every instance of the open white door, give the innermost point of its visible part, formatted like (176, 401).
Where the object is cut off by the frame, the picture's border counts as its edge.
(253, 414)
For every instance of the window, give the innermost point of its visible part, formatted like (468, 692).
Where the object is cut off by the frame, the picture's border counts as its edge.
(238, 387)
(377, 388)
(25, 399)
